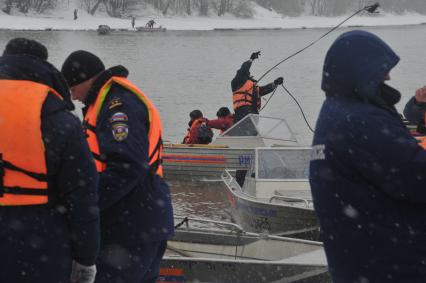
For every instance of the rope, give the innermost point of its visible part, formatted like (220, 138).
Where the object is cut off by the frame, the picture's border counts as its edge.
(301, 110)
(185, 220)
(369, 9)
(266, 103)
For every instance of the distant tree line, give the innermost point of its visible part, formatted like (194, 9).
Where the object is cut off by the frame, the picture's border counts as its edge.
(239, 8)
(24, 6)
(340, 7)
(118, 8)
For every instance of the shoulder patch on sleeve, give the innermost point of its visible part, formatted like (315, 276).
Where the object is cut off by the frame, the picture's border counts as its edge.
(115, 102)
(120, 131)
(119, 117)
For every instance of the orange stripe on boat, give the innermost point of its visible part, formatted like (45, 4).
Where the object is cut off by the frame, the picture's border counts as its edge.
(194, 159)
(171, 272)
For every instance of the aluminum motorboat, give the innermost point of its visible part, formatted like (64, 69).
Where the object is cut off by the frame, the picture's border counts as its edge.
(276, 196)
(228, 254)
(234, 149)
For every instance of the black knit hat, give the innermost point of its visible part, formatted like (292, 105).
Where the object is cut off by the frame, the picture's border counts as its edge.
(195, 114)
(25, 46)
(223, 112)
(80, 66)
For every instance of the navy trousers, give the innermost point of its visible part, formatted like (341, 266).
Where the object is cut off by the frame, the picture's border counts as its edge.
(34, 245)
(134, 263)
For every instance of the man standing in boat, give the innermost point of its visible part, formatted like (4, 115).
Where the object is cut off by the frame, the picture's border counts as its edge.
(124, 132)
(246, 97)
(367, 173)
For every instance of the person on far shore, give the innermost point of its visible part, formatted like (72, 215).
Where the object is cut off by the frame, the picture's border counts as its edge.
(133, 22)
(150, 24)
(75, 14)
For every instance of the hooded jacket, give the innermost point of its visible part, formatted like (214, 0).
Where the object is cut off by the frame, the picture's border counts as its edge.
(68, 226)
(367, 172)
(415, 113)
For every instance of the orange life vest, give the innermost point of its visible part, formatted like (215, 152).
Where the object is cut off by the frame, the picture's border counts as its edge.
(246, 95)
(195, 123)
(154, 133)
(422, 139)
(23, 171)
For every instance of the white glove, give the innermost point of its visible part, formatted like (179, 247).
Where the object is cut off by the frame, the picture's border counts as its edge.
(82, 274)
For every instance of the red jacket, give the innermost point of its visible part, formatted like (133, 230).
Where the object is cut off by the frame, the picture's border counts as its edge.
(222, 123)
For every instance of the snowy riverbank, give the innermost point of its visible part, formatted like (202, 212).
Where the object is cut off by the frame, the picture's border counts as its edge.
(63, 20)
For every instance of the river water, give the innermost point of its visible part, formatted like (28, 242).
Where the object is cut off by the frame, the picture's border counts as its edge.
(185, 70)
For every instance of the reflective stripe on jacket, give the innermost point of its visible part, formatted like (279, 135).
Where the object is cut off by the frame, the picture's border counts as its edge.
(154, 132)
(23, 171)
(247, 95)
(422, 141)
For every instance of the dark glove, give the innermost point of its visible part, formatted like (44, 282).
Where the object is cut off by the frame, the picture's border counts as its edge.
(82, 274)
(279, 81)
(255, 55)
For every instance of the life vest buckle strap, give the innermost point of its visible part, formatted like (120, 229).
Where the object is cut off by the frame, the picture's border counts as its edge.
(38, 176)
(25, 191)
(88, 126)
(156, 149)
(154, 166)
(98, 157)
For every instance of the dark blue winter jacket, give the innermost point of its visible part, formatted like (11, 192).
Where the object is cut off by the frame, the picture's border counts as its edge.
(131, 199)
(367, 173)
(38, 241)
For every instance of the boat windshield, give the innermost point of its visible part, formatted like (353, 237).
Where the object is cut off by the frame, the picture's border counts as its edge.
(282, 163)
(260, 126)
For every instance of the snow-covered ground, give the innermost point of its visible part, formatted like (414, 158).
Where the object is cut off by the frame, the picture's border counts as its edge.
(62, 19)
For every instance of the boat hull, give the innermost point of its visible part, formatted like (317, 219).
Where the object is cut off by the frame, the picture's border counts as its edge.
(206, 270)
(200, 163)
(235, 256)
(258, 215)
(146, 29)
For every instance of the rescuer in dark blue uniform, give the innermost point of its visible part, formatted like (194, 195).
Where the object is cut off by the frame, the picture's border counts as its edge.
(367, 173)
(44, 241)
(124, 133)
